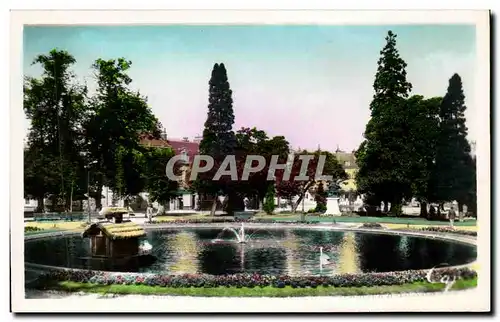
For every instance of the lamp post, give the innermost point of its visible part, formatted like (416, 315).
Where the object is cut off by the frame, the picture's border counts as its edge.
(88, 193)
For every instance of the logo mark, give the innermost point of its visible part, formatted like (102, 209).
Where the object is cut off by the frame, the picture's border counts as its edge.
(446, 279)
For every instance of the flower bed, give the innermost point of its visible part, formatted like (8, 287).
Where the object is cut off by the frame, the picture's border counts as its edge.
(254, 280)
(449, 230)
(216, 220)
(232, 220)
(28, 229)
(371, 225)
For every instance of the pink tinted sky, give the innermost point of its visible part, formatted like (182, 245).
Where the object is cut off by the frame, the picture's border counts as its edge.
(312, 84)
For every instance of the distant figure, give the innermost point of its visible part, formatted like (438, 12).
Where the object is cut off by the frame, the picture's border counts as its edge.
(463, 213)
(451, 215)
(149, 213)
(246, 203)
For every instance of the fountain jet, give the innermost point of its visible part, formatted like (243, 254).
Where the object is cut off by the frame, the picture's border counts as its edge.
(240, 234)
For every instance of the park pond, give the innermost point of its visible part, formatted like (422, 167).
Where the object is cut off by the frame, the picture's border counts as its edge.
(274, 251)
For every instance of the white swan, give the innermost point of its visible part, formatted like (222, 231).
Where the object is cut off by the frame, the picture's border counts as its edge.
(323, 258)
(145, 248)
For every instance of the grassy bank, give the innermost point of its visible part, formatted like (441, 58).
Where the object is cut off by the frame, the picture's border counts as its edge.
(390, 222)
(57, 225)
(267, 291)
(364, 219)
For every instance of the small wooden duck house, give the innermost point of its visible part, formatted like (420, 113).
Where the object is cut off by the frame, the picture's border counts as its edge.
(114, 240)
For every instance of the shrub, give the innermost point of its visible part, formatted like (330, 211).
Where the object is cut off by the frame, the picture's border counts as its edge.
(320, 208)
(269, 205)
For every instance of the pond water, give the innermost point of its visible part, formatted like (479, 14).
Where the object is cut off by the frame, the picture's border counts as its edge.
(274, 251)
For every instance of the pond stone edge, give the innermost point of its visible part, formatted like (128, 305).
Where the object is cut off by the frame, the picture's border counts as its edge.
(451, 237)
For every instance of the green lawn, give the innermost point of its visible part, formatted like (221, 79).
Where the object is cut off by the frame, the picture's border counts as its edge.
(363, 219)
(267, 291)
(314, 218)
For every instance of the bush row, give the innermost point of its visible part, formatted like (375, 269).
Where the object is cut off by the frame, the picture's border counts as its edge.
(449, 230)
(371, 225)
(31, 228)
(256, 280)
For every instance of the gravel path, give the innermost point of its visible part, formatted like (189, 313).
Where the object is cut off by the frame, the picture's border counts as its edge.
(464, 301)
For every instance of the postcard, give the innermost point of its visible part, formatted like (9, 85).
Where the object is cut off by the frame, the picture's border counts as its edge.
(250, 161)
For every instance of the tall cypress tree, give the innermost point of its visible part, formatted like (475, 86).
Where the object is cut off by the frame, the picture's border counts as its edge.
(219, 139)
(454, 173)
(383, 156)
(218, 136)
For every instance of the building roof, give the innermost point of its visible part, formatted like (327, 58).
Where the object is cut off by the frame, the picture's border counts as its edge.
(149, 141)
(179, 146)
(114, 231)
(346, 159)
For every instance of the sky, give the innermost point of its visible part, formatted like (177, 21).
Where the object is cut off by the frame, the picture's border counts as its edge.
(312, 84)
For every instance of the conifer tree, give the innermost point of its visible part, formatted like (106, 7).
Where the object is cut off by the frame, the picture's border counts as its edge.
(454, 173)
(219, 138)
(382, 157)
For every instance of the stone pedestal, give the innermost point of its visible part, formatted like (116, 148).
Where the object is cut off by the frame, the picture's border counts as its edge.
(332, 206)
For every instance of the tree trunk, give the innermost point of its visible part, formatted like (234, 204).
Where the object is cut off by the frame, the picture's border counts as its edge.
(423, 209)
(301, 196)
(98, 197)
(234, 203)
(40, 205)
(214, 206)
(71, 199)
(396, 207)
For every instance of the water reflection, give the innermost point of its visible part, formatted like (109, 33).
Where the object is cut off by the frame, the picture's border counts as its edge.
(284, 251)
(348, 255)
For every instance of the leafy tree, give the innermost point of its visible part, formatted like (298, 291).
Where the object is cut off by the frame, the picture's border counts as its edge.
(219, 139)
(286, 187)
(54, 104)
(382, 157)
(287, 190)
(157, 184)
(256, 142)
(119, 116)
(454, 175)
(269, 205)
